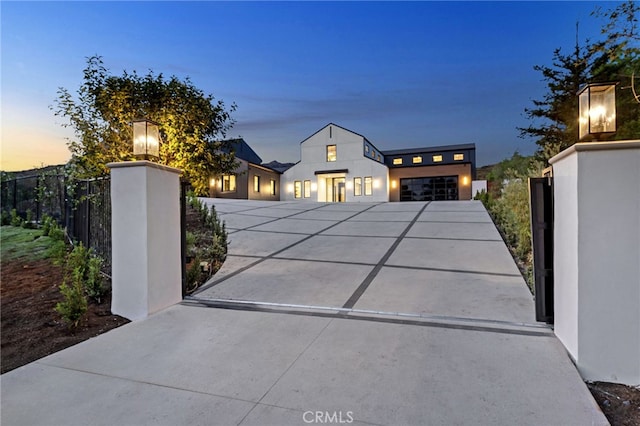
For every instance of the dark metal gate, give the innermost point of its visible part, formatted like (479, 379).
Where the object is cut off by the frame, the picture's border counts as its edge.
(185, 186)
(541, 206)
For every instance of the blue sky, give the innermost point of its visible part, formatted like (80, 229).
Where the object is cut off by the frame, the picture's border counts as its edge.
(403, 74)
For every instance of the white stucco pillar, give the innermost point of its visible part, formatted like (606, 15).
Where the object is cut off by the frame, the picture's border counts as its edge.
(597, 258)
(145, 230)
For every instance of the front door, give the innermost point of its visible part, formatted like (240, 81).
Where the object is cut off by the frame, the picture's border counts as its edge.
(336, 190)
(339, 191)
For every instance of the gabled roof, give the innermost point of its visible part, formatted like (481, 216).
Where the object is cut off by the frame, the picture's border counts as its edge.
(242, 150)
(340, 127)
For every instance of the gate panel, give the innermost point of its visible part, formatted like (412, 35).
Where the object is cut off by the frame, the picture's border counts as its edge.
(541, 207)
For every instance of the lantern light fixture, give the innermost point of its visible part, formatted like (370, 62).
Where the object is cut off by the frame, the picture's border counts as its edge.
(146, 139)
(597, 104)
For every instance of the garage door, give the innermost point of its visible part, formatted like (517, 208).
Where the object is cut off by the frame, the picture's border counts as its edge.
(429, 188)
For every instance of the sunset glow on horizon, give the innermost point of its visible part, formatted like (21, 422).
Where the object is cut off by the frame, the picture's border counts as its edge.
(403, 74)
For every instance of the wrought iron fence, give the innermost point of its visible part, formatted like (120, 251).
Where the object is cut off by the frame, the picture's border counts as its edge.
(38, 194)
(83, 207)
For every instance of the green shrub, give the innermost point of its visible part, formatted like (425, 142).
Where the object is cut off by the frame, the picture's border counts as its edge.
(74, 305)
(93, 283)
(84, 264)
(77, 260)
(511, 214)
(208, 247)
(57, 253)
(16, 220)
(28, 222)
(58, 250)
(194, 274)
(55, 232)
(45, 224)
(191, 241)
(204, 213)
(5, 218)
(82, 269)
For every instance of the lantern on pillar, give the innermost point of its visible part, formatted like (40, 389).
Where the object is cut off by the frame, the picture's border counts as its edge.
(597, 103)
(146, 139)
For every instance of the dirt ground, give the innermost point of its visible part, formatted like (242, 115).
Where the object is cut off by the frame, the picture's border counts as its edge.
(620, 403)
(31, 329)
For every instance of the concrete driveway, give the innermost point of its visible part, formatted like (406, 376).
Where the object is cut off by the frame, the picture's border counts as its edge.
(384, 314)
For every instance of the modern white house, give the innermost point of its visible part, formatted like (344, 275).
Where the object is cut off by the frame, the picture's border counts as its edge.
(338, 165)
(334, 167)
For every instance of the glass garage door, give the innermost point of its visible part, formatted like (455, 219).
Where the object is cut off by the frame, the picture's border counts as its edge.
(429, 188)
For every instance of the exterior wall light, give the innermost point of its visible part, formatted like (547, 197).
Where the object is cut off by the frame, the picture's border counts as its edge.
(146, 139)
(597, 103)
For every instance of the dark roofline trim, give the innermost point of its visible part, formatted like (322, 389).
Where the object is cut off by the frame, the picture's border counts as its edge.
(442, 148)
(326, 172)
(444, 163)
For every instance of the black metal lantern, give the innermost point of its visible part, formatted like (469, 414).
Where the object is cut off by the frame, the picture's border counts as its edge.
(597, 104)
(146, 139)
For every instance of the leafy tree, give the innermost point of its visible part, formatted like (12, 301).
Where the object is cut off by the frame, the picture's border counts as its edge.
(620, 61)
(555, 117)
(192, 124)
(517, 163)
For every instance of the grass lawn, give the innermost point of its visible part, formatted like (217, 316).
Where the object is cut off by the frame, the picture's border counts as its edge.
(18, 242)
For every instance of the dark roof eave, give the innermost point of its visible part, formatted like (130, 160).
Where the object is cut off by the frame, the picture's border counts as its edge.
(430, 149)
(326, 172)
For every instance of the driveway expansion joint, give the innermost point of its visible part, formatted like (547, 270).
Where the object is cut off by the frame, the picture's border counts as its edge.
(399, 318)
(357, 294)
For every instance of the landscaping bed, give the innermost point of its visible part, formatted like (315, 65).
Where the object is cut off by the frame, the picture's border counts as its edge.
(29, 289)
(31, 328)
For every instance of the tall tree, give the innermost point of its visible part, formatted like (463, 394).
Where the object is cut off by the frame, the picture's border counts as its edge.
(620, 61)
(193, 125)
(554, 119)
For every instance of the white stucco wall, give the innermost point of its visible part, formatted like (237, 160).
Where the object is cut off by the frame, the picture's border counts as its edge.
(145, 229)
(478, 186)
(565, 251)
(597, 258)
(350, 156)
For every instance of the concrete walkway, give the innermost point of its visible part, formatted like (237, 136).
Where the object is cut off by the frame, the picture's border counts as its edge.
(384, 314)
